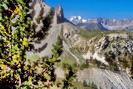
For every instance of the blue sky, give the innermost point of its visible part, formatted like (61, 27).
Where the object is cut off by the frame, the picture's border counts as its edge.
(117, 9)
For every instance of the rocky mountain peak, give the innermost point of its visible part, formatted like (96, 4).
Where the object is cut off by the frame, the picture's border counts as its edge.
(59, 10)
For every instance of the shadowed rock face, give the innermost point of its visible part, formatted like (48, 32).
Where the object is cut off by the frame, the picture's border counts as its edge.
(105, 79)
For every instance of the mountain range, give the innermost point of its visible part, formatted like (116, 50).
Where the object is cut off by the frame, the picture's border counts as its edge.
(103, 23)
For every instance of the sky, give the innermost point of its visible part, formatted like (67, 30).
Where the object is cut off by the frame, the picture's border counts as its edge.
(112, 9)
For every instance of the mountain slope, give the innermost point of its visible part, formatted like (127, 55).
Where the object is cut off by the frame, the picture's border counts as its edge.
(110, 80)
(75, 45)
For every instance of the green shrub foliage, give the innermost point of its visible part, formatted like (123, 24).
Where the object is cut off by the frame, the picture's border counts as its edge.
(16, 33)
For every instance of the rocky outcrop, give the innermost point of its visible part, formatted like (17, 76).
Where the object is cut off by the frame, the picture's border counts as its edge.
(54, 22)
(60, 12)
(105, 79)
(120, 44)
(114, 50)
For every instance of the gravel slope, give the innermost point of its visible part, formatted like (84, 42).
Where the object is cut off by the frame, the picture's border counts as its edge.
(105, 79)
